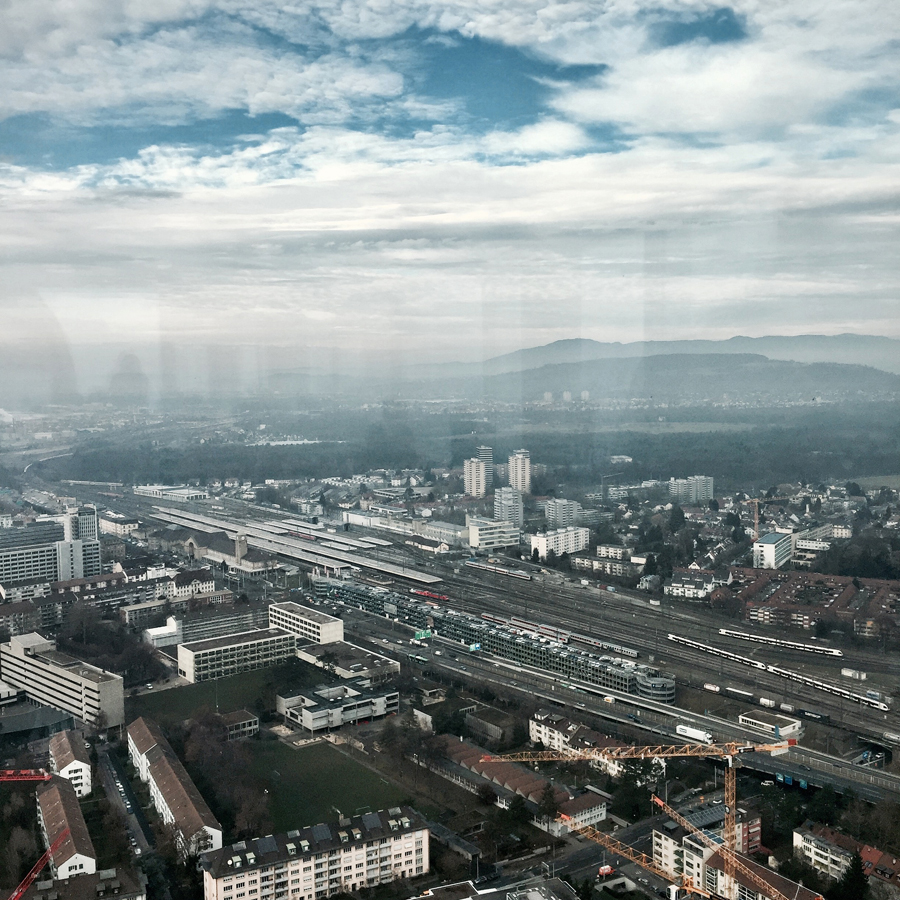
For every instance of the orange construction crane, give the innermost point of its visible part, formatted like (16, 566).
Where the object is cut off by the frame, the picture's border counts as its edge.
(7, 775)
(28, 880)
(727, 751)
(756, 501)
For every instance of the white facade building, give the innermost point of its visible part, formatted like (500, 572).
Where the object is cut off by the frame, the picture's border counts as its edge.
(173, 792)
(693, 490)
(314, 862)
(309, 625)
(235, 653)
(562, 540)
(69, 759)
(475, 477)
(562, 513)
(508, 506)
(487, 534)
(33, 664)
(772, 550)
(520, 471)
(58, 811)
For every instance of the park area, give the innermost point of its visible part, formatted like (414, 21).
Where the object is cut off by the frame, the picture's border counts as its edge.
(315, 783)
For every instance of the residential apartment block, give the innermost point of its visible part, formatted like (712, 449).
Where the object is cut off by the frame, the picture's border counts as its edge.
(562, 540)
(555, 732)
(772, 550)
(58, 810)
(32, 663)
(43, 552)
(830, 852)
(235, 653)
(520, 471)
(694, 490)
(475, 477)
(309, 625)
(508, 506)
(175, 796)
(562, 513)
(310, 863)
(69, 759)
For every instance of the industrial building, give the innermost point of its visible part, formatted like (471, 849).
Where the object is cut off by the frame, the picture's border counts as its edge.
(506, 641)
(32, 663)
(314, 862)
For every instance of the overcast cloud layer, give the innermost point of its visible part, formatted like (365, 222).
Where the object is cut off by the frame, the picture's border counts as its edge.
(447, 180)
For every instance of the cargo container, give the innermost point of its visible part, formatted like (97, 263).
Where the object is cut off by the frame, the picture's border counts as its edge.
(713, 688)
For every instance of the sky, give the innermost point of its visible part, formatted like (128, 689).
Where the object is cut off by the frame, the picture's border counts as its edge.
(298, 181)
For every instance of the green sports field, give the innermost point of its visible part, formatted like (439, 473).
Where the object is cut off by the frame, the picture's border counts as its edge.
(307, 785)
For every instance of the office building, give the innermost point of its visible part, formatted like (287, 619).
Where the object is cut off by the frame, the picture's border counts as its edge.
(349, 661)
(240, 724)
(58, 810)
(43, 552)
(32, 663)
(309, 625)
(331, 706)
(772, 550)
(520, 471)
(309, 863)
(562, 513)
(695, 490)
(487, 534)
(235, 653)
(508, 506)
(173, 792)
(562, 540)
(486, 455)
(474, 477)
(69, 759)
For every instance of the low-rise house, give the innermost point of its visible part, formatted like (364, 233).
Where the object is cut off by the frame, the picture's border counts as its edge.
(58, 811)
(241, 724)
(69, 759)
(331, 706)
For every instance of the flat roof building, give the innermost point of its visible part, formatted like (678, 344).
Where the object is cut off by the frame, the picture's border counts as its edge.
(320, 860)
(309, 625)
(235, 653)
(32, 663)
(772, 550)
(331, 706)
(349, 661)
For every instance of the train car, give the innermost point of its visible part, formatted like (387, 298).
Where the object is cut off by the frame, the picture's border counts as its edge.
(420, 593)
(741, 695)
(498, 570)
(778, 642)
(824, 718)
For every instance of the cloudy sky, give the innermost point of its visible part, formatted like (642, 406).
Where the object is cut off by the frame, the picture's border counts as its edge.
(446, 180)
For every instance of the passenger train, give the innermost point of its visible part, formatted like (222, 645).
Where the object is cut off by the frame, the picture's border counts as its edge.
(783, 673)
(777, 642)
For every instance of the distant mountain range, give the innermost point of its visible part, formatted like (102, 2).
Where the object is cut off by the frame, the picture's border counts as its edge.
(672, 378)
(775, 368)
(854, 349)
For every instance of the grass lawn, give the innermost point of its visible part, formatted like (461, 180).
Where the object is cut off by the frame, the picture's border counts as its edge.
(306, 785)
(250, 690)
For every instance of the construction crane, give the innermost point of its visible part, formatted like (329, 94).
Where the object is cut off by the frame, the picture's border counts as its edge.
(756, 501)
(28, 880)
(7, 775)
(727, 751)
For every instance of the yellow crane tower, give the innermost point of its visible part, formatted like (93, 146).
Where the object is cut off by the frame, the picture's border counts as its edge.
(730, 752)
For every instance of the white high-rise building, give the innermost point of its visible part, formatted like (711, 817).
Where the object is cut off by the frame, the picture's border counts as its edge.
(486, 455)
(475, 477)
(562, 513)
(508, 506)
(696, 489)
(520, 471)
(563, 540)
